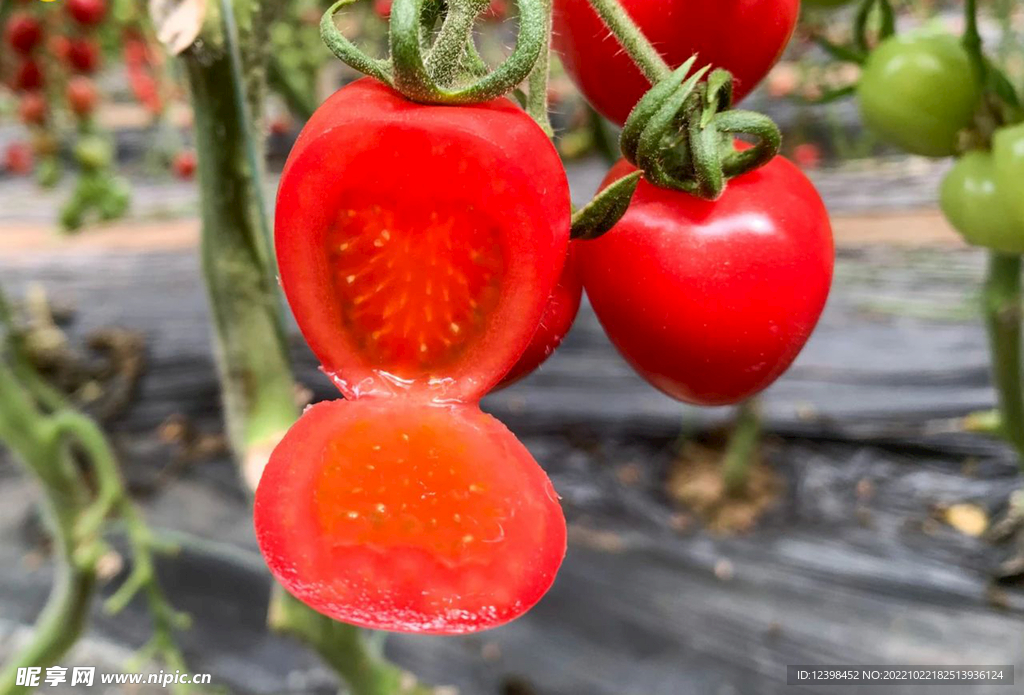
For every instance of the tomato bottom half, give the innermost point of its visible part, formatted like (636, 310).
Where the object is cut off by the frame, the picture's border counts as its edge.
(409, 517)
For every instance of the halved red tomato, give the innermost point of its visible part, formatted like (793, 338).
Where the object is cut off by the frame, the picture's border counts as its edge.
(418, 244)
(418, 247)
(402, 516)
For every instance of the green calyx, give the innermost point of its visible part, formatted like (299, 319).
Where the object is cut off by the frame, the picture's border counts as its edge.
(449, 70)
(681, 134)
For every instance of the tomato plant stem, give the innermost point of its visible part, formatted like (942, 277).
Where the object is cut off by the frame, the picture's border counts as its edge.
(42, 429)
(972, 38)
(636, 45)
(739, 455)
(249, 337)
(1002, 296)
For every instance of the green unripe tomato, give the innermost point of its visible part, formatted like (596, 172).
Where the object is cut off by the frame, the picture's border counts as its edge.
(977, 206)
(918, 90)
(93, 152)
(1008, 154)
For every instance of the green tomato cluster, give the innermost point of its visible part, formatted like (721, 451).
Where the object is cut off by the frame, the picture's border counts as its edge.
(982, 196)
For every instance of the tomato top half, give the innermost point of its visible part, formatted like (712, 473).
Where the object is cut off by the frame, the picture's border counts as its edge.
(417, 244)
(745, 37)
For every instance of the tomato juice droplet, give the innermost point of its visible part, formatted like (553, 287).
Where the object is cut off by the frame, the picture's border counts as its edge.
(420, 518)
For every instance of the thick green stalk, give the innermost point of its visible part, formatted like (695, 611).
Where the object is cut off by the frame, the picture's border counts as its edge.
(739, 455)
(248, 335)
(1002, 297)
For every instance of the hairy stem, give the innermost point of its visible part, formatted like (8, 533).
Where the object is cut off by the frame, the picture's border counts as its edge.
(537, 96)
(1002, 297)
(643, 53)
(739, 455)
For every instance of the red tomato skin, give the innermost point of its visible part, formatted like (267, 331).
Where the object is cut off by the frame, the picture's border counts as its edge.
(18, 158)
(711, 301)
(184, 165)
(488, 160)
(81, 94)
(83, 55)
(746, 37)
(558, 318)
(88, 13)
(23, 32)
(32, 108)
(28, 77)
(463, 541)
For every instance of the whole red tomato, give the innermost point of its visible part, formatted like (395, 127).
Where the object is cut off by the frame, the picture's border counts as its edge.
(23, 32)
(81, 94)
(418, 247)
(554, 325)
(83, 55)
(711, 301)
(28, 76)
(745, 37)
(184, 165)
(88, 13)
(18, 158)
(32, 108)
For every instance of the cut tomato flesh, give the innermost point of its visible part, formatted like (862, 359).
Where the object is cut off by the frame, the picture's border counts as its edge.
(409, 517)
(417, 244)
(416, 285)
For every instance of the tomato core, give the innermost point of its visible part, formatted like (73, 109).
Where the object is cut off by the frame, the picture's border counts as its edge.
(416, 284)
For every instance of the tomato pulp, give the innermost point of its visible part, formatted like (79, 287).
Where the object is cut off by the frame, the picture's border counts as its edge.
(417, 518)
(746, 37)
(711, 301)
(418, 247)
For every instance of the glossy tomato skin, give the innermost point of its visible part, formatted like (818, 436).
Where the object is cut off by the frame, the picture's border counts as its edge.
(416, 244)
(404, 516)
(1008, 160)
(918, 91)
(558, 318)
(746, 37)
(710, 301)
(977, 205)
